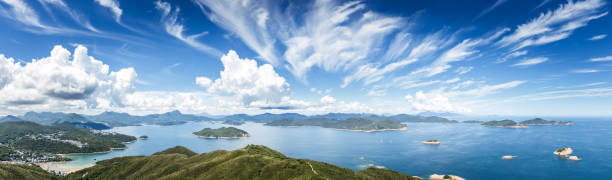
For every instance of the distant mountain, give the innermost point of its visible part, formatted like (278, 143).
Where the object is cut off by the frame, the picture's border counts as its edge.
(262, 118)
(79, 121)
(10, 118)
(444, 114)
(251, 162)
(426, 119)
(540, 121)
(45, 118)
(361, 124)
(123, 119)
(268, 117)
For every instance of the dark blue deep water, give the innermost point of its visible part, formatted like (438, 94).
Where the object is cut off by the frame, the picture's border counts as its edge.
(471, 151)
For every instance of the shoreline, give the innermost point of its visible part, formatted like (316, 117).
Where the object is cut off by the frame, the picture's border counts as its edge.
(60, 166)
(214, 137)
(375, 130)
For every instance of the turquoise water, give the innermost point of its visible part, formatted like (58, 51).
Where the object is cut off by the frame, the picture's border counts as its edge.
(471, 151)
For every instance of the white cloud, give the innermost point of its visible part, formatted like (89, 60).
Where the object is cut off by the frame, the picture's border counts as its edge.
(333, 36)
(585, 71)
(328, 100)
(74, 15)
(486, 89)
(113, 5)
(59, 79)
(370, 73)
(450, 81)
(463, 70)
(203, 82)
(457, 53)
(555, 25)
(249, 21)
(598, 37)
(176, 29)
(23, 13)
(601, 59)
(432, 102)
(464, 84)
(250, 83)
(489, 9)
(532, 61)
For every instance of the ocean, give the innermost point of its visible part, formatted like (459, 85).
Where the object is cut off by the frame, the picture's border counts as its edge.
(471, 151)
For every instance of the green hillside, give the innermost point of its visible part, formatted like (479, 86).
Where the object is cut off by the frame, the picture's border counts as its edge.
(251, 162)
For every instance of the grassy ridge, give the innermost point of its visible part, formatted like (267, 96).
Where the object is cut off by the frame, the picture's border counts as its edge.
(25, 172)
(251, 162)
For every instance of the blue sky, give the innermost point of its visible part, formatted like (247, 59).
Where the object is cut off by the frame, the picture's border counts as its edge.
(496, 57)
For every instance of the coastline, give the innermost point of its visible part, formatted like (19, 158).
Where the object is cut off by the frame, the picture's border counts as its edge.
(214, 137)
(375, 130)
(60, 166)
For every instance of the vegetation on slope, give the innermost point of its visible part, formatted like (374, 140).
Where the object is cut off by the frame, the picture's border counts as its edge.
(251, 162)
(25, 172)
(500, 123)
(230, 132)
(31, 137)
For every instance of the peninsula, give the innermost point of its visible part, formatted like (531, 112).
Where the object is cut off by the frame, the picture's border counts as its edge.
(223, 132)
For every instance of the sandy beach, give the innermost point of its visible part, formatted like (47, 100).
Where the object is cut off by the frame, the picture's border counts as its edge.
(60, 166)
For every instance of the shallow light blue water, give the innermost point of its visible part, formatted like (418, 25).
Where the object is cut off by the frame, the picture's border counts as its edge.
(471, 151)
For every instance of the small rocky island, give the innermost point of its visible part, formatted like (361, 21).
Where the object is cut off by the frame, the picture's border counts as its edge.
(445, 177)
(223, 132)
(433, 142)
(505, 124)
(143, 137)
(566, 152)
(509, 157)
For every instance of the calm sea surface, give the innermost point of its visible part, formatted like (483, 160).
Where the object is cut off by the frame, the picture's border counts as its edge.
(471, 151)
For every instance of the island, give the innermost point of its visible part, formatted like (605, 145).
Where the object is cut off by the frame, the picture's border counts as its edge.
(509, 157)
(143, 137)
(223, 132)
(504, 123)
(540, 121)
(26, 142)
(433, 142)
(444, 177)
(354, 124)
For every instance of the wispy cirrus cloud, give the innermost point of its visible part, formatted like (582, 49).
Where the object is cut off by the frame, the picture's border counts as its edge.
(176, 29)
(531, 61)
(583, 71)
(601, 59)
(598, 37)
(113, 5)
(554, 25)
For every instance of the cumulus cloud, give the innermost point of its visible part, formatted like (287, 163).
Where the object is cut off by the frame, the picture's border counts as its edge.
(432, 102)
(555, 25)
(113, 5)
(531, 61)
(598, 37)
(247, 81)
(62, 78)
(601, 59)
(176, 29)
